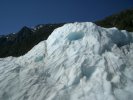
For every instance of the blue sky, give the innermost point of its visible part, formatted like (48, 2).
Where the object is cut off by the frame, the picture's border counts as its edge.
(14, 14)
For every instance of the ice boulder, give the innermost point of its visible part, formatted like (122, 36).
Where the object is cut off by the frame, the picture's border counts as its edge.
(78, 61)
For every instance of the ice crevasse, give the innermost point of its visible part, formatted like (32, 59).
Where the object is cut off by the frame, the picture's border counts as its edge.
(78, 61)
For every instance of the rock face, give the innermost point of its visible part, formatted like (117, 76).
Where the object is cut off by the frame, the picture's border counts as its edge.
(78, 61)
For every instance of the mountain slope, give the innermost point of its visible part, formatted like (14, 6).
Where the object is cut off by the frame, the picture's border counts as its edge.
(122, 20)
(78, 61)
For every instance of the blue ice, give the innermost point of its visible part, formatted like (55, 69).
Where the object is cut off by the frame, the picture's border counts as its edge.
(75, 36)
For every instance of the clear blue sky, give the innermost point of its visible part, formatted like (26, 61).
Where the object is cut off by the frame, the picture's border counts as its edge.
(14, 14)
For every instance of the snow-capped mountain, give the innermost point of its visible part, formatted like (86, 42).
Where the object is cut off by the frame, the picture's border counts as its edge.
(78, 61)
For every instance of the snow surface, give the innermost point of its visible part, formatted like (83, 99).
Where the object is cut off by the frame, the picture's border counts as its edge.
(79, 61)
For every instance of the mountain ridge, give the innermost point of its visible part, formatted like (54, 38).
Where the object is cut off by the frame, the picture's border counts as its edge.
(122, 20)
(21, 42)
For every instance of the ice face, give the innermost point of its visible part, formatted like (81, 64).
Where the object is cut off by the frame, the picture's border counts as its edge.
(79, 61)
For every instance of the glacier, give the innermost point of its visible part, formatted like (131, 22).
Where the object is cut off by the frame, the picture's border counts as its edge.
(78, 61)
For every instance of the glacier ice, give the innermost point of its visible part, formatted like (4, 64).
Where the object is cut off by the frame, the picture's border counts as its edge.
(75, 36)
(79, 61)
